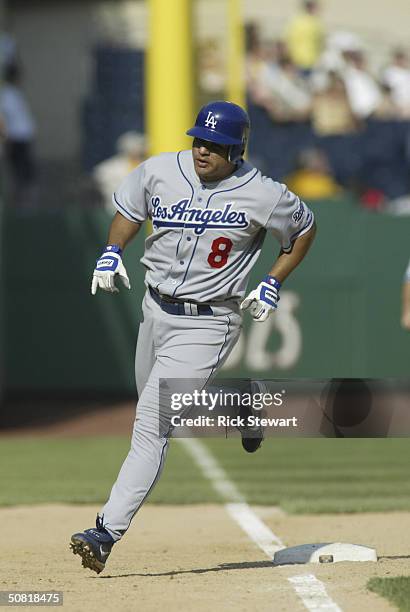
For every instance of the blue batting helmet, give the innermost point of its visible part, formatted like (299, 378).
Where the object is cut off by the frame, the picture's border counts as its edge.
(225, 123)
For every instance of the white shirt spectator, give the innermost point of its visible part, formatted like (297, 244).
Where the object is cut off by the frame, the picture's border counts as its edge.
(108, 174)
(398, 80)
(16, 114)
(291, 89)
(362, 90)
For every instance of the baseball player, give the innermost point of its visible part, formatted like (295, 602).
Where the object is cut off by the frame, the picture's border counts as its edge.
(210, 212)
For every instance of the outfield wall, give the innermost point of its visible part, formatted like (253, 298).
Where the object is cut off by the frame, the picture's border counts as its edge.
(339, 314)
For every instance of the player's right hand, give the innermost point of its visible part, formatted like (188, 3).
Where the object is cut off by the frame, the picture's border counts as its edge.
(108, 266)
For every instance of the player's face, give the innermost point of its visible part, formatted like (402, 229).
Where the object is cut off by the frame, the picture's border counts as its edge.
(211, 160)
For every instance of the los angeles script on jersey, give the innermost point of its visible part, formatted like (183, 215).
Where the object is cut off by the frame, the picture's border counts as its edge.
(200, 219)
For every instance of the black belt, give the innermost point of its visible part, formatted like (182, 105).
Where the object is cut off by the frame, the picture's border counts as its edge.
(179, 307)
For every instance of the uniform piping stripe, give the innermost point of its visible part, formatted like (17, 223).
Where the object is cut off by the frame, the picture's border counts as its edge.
(220, 350)
(187, 268)
(183, 173)
(152, 484)
(232, 188)
(126, 211)
(255, 244)
(192, 196)
(178, 243)
(246, 261)
(193, 225)
(190, 202)
(309, 222)
(302, 231)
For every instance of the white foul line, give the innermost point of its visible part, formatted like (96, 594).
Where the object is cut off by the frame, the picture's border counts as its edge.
(235, 505)
(311, 591)
(255, 528)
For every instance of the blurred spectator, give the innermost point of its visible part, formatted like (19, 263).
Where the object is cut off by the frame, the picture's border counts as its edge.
(276, 85)
(362, 89)
(405, 310)
(108, 174)
(342, 109)
(398, 207)
(373, 199)
(386, 110)
(305, 37)
(291, 97)
(331, 111)
(313, 178)
(8, 51)
(19, 132)
(337, 44)
(397, 78)
(211, 68)
(252, 37)
(256, 65)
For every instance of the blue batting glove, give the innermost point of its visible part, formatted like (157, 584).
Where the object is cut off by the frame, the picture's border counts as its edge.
(108, 266)
(263, 300)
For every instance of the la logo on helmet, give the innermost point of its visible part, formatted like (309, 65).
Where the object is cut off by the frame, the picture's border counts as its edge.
(210, 120)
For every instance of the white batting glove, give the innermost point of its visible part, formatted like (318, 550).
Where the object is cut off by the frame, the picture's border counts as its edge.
(263, 300)
(108, 266)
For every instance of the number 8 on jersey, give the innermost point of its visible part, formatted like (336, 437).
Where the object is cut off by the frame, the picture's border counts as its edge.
(220, 249)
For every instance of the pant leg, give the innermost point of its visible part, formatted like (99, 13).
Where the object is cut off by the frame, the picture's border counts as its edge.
(188, 348)
(145, 353)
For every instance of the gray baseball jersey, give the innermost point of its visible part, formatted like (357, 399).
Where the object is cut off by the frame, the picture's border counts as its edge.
(207, 237)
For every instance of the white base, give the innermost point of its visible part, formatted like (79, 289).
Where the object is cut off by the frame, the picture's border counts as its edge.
(324, 553)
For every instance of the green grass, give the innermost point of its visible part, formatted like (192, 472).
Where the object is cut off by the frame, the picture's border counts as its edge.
(300, 475)
(321, 475)
(396, 590)
(83, 470)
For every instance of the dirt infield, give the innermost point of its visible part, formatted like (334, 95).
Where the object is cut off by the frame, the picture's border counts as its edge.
(195, 558)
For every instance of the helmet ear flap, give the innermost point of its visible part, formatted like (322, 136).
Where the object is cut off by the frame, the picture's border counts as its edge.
(236, 152)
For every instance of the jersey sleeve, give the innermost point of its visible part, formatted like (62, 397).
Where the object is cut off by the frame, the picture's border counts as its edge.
(289, 219)
(130, 199)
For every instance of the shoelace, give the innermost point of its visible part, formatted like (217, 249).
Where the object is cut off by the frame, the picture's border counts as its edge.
(99, 523)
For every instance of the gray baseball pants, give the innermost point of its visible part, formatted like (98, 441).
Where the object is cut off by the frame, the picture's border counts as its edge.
(168, 346)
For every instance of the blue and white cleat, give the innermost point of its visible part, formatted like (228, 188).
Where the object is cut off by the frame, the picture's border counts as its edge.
(93, 546)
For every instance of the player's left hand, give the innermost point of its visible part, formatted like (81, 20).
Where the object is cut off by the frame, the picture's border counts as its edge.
(108, 266)
(263, 300)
